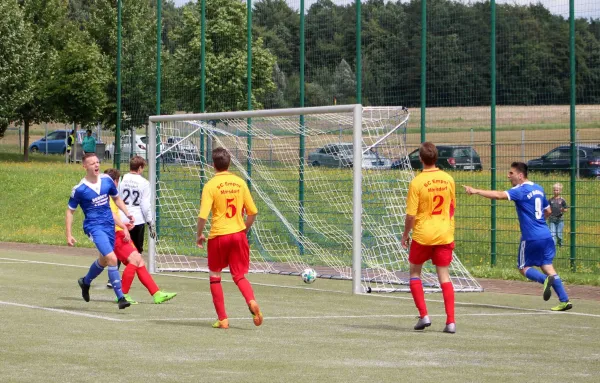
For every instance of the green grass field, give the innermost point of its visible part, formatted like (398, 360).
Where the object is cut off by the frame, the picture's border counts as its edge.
(317, 332)
(39, 192)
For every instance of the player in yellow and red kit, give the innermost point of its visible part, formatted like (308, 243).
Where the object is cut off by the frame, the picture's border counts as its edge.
(430, 215)
(128, 254)
(227, 196)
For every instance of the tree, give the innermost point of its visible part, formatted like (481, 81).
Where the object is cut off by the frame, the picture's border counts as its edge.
(47, 20)
(78, 87)
(225, 49)
(279, 26)
(138, 58)
(344, 83)
(18, 52)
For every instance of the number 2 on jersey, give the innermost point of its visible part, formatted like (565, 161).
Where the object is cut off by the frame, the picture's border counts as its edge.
(233, 208)
(437, 210)
(135, 194)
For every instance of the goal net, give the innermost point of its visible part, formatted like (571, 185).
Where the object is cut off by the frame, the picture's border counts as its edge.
(330, 185)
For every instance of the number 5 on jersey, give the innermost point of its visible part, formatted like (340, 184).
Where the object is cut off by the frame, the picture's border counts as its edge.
(232, 206)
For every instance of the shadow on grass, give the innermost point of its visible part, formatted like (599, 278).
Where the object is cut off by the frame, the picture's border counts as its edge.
(198, 323)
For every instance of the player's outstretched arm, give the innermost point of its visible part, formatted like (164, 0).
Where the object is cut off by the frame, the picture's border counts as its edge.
(491, 194)
(123, 226)
(68, 227)
(121, 205)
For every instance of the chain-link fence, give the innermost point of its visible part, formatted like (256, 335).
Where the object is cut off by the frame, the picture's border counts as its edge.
(490, 82)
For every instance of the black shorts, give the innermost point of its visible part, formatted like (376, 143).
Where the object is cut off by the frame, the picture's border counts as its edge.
(137, 236)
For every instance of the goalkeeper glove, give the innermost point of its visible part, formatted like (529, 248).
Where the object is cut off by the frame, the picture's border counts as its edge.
(152, 230)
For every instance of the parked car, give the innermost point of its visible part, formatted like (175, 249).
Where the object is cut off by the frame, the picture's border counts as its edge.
(56, 141)
(559, 160)
(342, 155)
(450, 157)
(139, 149)
(181, 151)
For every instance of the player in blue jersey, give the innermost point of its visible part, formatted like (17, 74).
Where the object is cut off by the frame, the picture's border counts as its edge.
(537, 246)
(92, 194)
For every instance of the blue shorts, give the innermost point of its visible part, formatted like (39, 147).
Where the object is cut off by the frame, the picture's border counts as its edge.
(103, 238)
(537, 252)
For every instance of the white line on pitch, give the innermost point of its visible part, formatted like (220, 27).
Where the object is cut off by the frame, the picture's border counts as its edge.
(76, 313)
(339, 292)
(4, 263)
(44, 263)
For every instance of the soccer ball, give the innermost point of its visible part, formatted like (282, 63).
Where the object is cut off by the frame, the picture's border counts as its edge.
(309, 275)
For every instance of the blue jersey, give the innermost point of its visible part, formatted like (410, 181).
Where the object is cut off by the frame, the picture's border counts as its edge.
(93, 199)
(530, 201)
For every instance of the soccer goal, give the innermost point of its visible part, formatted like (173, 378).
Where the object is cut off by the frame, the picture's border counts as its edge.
(330, 184)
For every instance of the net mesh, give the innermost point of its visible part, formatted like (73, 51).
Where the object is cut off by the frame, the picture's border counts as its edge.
(302, 182)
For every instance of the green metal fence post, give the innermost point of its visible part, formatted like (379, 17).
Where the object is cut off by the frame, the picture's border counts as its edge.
(158, 91)
(249, 87)
(117, 144)
(493, 126)
(302, 149)
(573, 248)
(423, 66)
(202, 85)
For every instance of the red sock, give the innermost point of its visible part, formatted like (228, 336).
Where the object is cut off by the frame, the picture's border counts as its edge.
(217, 294)
(416, 289)
(245, 288)
(127, 278)
(146, 279)
(448, 292)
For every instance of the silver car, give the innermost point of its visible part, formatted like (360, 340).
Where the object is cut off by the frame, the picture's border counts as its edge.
(341, 155)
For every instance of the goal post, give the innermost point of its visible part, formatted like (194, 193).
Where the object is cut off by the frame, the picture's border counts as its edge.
(331, 192)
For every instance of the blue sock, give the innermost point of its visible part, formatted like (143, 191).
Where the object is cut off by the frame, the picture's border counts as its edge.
(95, 270)
(115, 280)
(559, 289)
(535, 275)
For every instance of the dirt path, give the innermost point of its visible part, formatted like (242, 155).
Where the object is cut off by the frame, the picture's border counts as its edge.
(490, 285)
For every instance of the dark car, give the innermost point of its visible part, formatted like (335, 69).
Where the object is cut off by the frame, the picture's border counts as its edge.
(559, 160)
(450, 157)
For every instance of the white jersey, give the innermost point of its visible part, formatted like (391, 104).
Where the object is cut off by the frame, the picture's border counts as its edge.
(135, 192)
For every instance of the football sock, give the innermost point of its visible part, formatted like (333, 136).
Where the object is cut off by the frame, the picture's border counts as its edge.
(416, 289)
(147, 280)
(245, 288)
(217, 294)
(448, 293)
(95, 270)
(535, 275)
(127, 279)
(559, 289)
(115, 280)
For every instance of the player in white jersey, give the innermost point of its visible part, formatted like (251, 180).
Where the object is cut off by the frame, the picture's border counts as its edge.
(134, 189)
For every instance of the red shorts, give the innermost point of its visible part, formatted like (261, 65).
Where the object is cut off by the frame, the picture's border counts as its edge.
(229, 250)
(123, 249)
(440, 255)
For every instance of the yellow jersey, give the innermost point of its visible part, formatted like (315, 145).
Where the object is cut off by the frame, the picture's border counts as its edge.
(228, 197)
(115, 209)
(432, 200)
